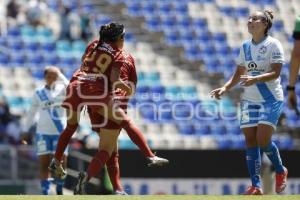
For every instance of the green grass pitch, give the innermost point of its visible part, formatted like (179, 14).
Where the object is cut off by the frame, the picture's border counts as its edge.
(150, 197)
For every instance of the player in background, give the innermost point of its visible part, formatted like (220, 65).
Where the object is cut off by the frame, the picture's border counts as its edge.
(50, 119)
(294, 68)
(258, 71)
(128, 75)
(91, 85)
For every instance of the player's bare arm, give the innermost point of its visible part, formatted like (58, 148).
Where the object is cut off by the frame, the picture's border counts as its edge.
(234, 80)
(274, 73)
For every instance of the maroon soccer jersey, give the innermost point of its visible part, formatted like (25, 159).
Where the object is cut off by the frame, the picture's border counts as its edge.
(128, 75)
(91, 83)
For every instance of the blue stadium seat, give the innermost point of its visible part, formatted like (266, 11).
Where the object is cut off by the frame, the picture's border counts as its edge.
(189, 92)
(180, 7)
(157, 90)
(217, 128)
(4, 59)
(278, 26)
(185, 128)
(14, 31)
(44, 33)
(219, 37)
(233, 129)
(48, 46)
(28, 33)
(14, 44)
(148, 6)
(182, 111)
(172, 92)
(165, 114)
(223, 142)
(31, 46)
(14, 102)
(134, 8)
(3, 41)
(201, 128)
(63, 45)
(164, 7)
(37, 73)
(241, 12)
(148, 112)
(102, 19)
(238, 141)
(34, 59)
(228, 11)
(50, 59)
(142, 89)
(200, 23)
(17, 60)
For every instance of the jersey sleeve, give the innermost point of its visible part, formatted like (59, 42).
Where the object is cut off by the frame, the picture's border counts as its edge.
(277, 54)
(30, 116)
(296, 33)
(240, 60)
(63, 79)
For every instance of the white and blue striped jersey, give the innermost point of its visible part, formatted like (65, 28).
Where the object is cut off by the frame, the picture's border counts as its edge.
(257, 59)
(46, 109)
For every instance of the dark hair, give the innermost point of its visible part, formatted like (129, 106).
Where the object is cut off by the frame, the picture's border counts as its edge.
(110, 33)
(268, 17)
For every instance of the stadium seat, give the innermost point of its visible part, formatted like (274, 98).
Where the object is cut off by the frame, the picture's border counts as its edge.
(185, 128)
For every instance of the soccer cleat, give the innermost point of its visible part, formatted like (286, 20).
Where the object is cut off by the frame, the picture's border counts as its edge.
(56, 169)
(118, 192)
(281, 181)
(253, 191)
(156, 161)
(81, 183)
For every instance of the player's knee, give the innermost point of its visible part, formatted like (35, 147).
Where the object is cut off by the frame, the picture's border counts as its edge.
(72, 127)
(106, 147)
(251, 142)
(113, 160)
(263, 143)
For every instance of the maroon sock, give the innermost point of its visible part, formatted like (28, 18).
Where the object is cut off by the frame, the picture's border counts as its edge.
(137, 137)
(98, 161)
(114, 171)
(63, 140)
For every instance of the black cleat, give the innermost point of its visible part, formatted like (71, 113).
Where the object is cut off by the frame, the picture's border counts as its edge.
(56, 169)
(81, 184)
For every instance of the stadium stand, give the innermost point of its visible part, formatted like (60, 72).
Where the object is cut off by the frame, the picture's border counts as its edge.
(181, 49)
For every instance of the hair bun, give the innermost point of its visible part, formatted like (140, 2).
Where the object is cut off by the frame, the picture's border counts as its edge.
(269, 13)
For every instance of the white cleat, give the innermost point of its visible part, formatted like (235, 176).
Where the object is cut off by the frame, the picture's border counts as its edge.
(156, 161)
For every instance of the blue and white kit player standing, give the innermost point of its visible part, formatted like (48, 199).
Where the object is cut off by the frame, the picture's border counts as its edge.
(50, 117)
(258, 71)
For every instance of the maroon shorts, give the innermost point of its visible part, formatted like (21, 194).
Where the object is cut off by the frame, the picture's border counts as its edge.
(79, 95)
(98, 122)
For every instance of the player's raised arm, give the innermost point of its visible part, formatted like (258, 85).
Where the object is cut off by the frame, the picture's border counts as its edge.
(117, 82)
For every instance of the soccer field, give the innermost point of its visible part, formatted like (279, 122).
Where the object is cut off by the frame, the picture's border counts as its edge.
(151, 197)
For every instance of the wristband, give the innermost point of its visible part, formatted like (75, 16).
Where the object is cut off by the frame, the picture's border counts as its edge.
(290, 88)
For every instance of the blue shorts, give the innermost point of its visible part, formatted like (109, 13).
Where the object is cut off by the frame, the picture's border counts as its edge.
(253, 113)
(46, 144)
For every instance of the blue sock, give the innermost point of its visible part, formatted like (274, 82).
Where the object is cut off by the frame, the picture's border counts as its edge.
(45, 185)
(59, 185)
(273, 154)
(254, 165)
